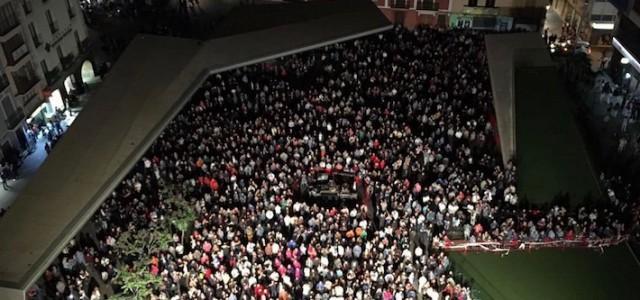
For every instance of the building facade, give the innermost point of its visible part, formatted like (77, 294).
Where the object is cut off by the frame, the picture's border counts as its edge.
(41, 41)
(625, 61)
(592, 21)
(479, 14)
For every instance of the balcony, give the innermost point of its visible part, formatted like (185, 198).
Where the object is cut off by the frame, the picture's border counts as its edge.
(427, 5)
(27, 6)
(52, 75)
(24, 83)
(54, 27)
(15, 119)
(15, 49)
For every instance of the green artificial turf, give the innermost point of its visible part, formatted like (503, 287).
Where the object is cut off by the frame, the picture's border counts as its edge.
(552, 274)
(551, 154)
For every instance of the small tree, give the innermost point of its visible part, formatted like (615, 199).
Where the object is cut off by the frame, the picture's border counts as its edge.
(182, 215)
(143, 243)
(137, 282)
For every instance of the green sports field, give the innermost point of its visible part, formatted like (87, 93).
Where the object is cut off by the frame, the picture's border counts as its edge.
(551, 155)
(552, 274)
(551, 159)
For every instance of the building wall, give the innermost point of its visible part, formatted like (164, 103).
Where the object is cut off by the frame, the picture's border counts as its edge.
(64, 37)
(449, 11)
(459, 5)
(41, 46)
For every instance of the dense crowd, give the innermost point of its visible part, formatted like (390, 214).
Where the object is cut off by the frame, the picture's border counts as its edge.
(408, 112)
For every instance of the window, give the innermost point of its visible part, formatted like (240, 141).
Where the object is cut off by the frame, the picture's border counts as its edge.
(603, 18)
(473, 3)
(27, 7)
(70, 9)
(8, 18)
(8, 108)
(43, 65)
(78, 41)
(34, 35)
(15, 49)
(490, 3)
(60, 54)
(4, 82)
(53, 24)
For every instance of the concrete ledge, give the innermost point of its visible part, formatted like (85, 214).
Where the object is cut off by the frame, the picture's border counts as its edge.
(505, 53)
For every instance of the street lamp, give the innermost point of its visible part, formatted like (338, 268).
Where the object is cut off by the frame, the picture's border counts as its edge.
(627, 76)
(624, 61)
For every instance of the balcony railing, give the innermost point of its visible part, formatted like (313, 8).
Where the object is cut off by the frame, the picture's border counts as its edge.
(52, 75)
(15, 119)
(24, 84)
(427, 5)
(15, 49)
(27, 6)
(399, 3)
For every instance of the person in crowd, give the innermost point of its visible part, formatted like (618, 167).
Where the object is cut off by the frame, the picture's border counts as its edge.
(4, 176)
(407, 112)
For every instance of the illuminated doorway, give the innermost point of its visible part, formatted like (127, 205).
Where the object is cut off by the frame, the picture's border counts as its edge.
(68, 84)
(88, 74)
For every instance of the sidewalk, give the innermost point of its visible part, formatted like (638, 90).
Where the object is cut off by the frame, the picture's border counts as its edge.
(29, 167)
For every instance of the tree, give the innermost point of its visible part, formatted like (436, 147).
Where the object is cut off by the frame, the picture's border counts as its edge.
(182, 215)
(137, 282)
(140, 245)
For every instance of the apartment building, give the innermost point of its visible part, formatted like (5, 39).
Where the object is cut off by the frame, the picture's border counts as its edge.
(479, 14)
(41, 42)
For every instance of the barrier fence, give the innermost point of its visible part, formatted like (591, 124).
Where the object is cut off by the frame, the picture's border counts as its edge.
(515, 245)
